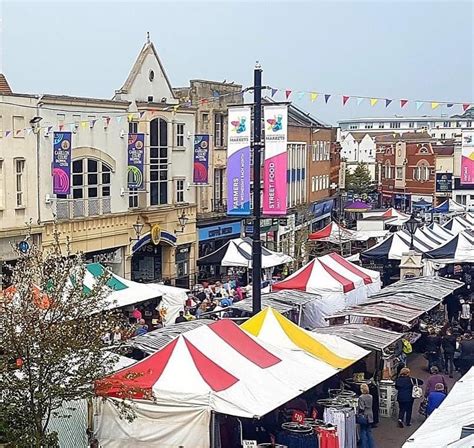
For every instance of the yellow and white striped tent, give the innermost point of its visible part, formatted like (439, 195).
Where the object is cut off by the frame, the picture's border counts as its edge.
(272, 327)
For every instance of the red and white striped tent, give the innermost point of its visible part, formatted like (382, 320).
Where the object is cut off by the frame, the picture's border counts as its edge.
(218, 368)
(333, 233)
(339, 282)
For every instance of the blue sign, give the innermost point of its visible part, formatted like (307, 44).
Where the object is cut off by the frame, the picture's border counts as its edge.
(23, 247)
(232, 229)
(323, 208)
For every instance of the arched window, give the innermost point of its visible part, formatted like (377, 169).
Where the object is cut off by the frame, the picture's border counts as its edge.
(158, 162)
(90, 191)
(422, 171)
(388, 170)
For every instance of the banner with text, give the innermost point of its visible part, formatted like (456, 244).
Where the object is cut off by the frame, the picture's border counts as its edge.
(201, 159)
(467, 158)
(276, 160)
(238, 162)
(136, 161)
(62, 163)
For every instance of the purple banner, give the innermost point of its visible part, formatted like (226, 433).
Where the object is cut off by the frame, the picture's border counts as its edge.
(136, 162)
(238, 162)
(62, 163)
(201, 159)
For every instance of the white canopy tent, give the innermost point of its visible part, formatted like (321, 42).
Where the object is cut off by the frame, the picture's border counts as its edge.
(443, 427)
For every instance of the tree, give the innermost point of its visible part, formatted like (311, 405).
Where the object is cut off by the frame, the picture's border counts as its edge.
(52, 342)
(359, 181)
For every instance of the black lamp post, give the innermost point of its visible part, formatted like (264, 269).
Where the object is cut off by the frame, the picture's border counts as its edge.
(411, 225)
(137, 227)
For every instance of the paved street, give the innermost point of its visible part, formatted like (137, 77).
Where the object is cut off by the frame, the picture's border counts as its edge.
(388, 434)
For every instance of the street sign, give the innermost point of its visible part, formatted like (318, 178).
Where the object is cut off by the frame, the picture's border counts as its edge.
(23, 246)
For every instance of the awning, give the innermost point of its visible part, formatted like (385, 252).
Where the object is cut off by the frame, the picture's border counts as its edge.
(444, 425)
(357, 206)
(459, 249)
(366, 336)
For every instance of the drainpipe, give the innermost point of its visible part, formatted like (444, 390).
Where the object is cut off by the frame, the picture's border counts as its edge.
(38, 198)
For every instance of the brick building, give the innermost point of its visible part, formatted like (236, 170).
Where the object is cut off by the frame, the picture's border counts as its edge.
(406, 169)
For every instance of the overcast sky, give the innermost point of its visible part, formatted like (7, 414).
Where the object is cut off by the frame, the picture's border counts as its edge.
(395, 49)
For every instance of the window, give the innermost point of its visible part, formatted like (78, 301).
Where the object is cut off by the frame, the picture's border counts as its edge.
(20, 181)
(158, 162)
(422, 171)
(132, 127)
(353, 126)
(219, 176)
(399, 173)
(1, 126)
(18, 127)
(179, 135)
(468, 124)
(2, 186)
(395, 125)
(411, 124)
(446, 124)
(313, 181)
(458, 124)
(369, 125)
(443, 136)
(179, 190)
(423, 150)
(381, 125)
(313, 152)
(205, 122)
(219, 129)
(61, 120)
(388, 170)
(91, 180)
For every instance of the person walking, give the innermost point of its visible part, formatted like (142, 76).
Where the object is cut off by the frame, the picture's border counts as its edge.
(448, 342)
(435, 398)
(466, 360)
(434, 379)
(465, 317)
(433, 348)
(365, 417)
(405, 398)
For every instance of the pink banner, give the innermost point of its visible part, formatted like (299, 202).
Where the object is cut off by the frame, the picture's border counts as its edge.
(467, 159)
(275, 166)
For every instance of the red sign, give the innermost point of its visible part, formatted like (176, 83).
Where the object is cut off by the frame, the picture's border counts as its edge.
(298, 417)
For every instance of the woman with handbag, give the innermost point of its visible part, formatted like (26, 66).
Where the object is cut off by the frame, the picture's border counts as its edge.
(408, 390)
(365, 417)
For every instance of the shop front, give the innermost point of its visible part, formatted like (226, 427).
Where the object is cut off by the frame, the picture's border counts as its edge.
(112, 258)
(321, 214)
(212, 237)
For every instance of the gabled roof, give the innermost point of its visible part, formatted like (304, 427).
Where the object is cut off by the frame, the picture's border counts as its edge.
(4, 86)
(147, 49)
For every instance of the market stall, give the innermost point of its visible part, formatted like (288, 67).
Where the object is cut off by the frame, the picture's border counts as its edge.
(448, 206)
(460, 249)
(440, 231)
(445, 425)
(457, 224)
(215, 368)
(338, 281)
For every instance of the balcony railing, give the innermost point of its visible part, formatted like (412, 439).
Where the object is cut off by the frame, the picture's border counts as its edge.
(219, 205)
(81, 208)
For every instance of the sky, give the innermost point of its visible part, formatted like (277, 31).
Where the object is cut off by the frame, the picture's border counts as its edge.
(416, 50)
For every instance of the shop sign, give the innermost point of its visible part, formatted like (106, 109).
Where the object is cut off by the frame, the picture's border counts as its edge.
(249, 444)
(155, 234)
(201, 159)
(62, 163)
(222, 231)
(113, 256)
(136, 161)
(444, 182)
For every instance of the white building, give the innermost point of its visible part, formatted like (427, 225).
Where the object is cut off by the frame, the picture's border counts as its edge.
(358, 147)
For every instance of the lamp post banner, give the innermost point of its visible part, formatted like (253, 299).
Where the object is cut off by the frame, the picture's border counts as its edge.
(136, 161)
(238, 162)
(276, 160)
(467, 158)
(201, 159)
(62, 163)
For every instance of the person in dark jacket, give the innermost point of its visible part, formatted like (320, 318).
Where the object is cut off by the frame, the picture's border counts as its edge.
(435, 398)
(466, 360)
(433, 348)
(434, 379)
(448, 342)
(404, 386)
(453, 306)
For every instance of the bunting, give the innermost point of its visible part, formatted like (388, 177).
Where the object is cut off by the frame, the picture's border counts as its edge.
(287, 93)
(314, 97)
(403, 103)
(419, 104)
(345, 99)
(373, 101)
(326, 98)
(388, 102)
(465, 107)
(359, 100)
(301, 95)
(434, 105)
(274, 91)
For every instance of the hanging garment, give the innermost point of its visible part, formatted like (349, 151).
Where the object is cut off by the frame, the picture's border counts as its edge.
(344, 420)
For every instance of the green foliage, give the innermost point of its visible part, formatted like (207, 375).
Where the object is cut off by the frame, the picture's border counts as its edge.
(53, 332)
(360, 181)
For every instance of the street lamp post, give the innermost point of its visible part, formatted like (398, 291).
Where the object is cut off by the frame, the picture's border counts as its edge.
(411, 225)
(256, 243)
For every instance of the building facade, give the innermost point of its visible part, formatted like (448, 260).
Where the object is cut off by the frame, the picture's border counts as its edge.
(137, 233)
(211, 100)
(406, 169)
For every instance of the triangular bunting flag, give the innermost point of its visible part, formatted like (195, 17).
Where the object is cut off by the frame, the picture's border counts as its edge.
(314, 96)
(419, 104)
(359, 101)
(434, 105)
(28, 131)
(119, 119)
(61, 126)
(388, 102)
(93, 122)
(465, 107)
(7, 133)
(72, 127)
(345, 99)
(142, 113)
(373, 101)
(450, 105)
(300, 95)
(84, 124)
(273, 92)
(287, 93)
(175, 108)
(130, 117)
(403, 103)
(50, 128)
(326, 98)
(106, 121)
(17, 132)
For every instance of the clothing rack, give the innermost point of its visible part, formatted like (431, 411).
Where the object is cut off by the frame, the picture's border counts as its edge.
(344, 420)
